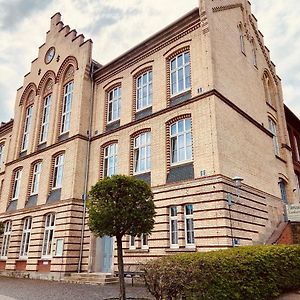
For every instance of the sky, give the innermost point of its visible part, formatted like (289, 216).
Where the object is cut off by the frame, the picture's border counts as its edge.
(117, 25)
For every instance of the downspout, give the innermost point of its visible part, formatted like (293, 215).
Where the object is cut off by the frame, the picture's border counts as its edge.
(87, 168)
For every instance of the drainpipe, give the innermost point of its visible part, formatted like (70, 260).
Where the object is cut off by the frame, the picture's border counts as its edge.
(87, 167)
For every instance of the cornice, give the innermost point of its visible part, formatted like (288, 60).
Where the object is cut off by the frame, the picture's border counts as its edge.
(160, 40)
(6, 127)
(195, 99)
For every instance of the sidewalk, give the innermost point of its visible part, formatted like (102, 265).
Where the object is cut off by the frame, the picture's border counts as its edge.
(290, 296)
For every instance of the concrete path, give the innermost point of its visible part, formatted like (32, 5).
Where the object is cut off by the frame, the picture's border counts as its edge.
(290, 296)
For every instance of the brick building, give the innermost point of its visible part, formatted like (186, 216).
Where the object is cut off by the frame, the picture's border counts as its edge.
(187, 110)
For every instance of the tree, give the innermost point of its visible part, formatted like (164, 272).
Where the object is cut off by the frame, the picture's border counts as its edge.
(121, 205)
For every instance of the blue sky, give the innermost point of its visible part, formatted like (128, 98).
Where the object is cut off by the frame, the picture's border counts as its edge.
(112, 25)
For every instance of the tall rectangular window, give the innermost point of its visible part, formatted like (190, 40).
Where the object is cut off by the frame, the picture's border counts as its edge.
(25, 237)
(6, 239)
(48, 236)
(144, 91)
(36, 178)
(110, 160)
(144, 241)
(297, 185)
(181, 141)
(114, 105)
(16, 184)
(66, 109)
(27, 125)
(58, 171)
(189, 225)
(297, 152)
(142, 152)
(282, 187)
(272, 128)
(1, 154)
(132, 242)
(45, 119)
(173, 227)
(180, 73)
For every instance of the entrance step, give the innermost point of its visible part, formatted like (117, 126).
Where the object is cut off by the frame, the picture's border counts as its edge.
(91, 278)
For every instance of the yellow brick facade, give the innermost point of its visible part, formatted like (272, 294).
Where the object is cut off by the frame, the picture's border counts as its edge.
(226, 103)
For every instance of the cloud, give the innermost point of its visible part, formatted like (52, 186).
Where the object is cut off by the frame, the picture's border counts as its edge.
(13, 12)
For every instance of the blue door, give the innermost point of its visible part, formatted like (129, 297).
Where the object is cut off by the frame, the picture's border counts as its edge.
(106, 254)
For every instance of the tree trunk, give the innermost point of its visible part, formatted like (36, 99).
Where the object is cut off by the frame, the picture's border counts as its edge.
(121, 268)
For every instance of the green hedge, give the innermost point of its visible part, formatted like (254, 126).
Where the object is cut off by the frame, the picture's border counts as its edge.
(254, 272)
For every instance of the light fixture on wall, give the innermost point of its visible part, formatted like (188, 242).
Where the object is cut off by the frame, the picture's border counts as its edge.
(238, 183)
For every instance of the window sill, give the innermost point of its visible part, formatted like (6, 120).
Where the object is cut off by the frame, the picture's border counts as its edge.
(136, 251)
(181, 250)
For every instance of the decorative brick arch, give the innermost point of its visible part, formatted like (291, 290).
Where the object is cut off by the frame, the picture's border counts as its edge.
(31, 87)
(69, 61)
(49, 75)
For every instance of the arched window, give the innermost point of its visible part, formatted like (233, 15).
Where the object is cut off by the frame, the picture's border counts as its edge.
(282, 186)
(241, 37)
(36, 174)
(110, 160)
(25, 237)
(254, 56)
(1, 154)
(46, 112)
(142, 153)
(269, 89)
(6, 239)
(27, 124)
(48, 236)
(272, 128)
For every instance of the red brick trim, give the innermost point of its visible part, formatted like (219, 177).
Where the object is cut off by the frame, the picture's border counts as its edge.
(70, 60)
(107, 91)
(30, 87)
(168, 71)
(103, 146)
(168, 139)
(135, 77)
(21, 265)
(49, 75)
(132, 137)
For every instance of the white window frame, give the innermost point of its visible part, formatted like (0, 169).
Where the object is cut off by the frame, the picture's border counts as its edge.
(110, 160)
(114, 105)
(67, 107)
(296, 148)
(144, 91)
(272, 128)
(173, 219)
(48, 239)
(36, 174)
(27, 126)
(58, 171)
(189, 218)
(142, 153)
(145, 241)
(174, 140)
(185, 69)
(6, 239)
(1, 154)
(16, 184)
(132, 242)
(45, 119)
(25, 241)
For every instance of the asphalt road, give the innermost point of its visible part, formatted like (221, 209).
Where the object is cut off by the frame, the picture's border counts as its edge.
(27, 289)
